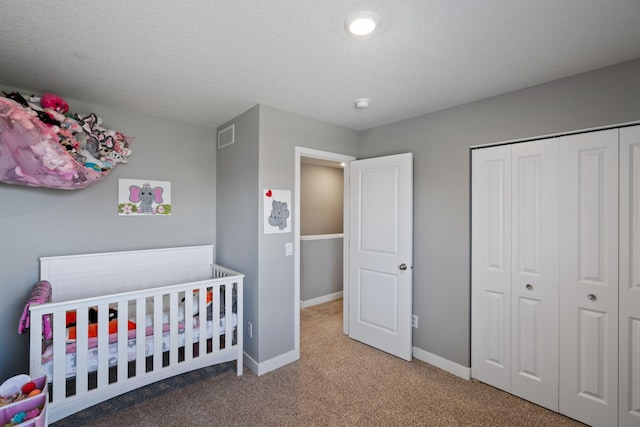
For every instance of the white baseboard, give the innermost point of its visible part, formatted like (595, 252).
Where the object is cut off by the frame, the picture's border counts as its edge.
(320, 300)
(271, 364)
(250, 363)
(442, 363)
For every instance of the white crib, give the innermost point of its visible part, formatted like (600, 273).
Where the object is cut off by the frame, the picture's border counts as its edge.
(156, 294)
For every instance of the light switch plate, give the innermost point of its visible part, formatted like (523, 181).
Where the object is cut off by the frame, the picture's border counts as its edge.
(288, 249)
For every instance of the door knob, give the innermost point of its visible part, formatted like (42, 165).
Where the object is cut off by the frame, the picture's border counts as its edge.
(403, 266)
(592, 297)
(529, 286)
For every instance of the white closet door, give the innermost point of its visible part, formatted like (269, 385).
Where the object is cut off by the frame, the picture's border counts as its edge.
(630, 276)
(491, 266)
(589, 277)
(534, 285)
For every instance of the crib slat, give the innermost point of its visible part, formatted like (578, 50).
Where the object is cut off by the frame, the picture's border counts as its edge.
(103, 345)
(173, 331)
(157, 333)
(59, 361)
(239, 326)
(228, 316)
(82, 344)
(123, 335)
(35, 339)
(188, 326)
(215, 318)
(202, 321)
(141, 303)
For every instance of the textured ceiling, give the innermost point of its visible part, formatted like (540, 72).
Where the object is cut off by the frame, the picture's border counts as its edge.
(206, 61)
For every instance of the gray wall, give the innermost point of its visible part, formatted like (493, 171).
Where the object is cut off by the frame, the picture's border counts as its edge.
(38, 222)
(237, 219)
(321, 199)
(320, 267)
(280, 132)
(440, 143)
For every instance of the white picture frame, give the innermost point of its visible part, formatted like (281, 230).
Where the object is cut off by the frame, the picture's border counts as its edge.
(144, 197)
(277, 211)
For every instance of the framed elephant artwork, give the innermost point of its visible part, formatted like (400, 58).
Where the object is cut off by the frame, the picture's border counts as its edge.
(138, 197)
(277, 210)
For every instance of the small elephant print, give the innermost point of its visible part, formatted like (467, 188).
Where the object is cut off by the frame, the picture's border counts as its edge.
(146, 196)
(279, 214)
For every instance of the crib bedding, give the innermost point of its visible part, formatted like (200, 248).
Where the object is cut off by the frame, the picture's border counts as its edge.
(92, 341)
(92, 352)
(148, 320)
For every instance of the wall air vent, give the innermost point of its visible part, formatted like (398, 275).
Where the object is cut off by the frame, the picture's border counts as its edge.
(226, 136)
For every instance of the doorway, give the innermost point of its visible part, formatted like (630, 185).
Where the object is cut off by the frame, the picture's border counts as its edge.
(321, 230)
(377, 273)
(304, 154)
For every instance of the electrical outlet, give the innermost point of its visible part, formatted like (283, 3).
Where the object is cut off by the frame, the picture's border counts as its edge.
(414, 321)
(250, 329)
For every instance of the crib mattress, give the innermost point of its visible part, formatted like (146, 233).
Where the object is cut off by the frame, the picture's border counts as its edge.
(92, 353)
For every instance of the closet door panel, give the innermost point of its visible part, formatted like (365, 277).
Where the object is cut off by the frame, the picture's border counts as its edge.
(589, 277)
(629, 276)
(491, 266)
(534, 287)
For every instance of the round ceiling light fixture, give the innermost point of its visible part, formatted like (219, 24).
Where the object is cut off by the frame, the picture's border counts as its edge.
(362, 23)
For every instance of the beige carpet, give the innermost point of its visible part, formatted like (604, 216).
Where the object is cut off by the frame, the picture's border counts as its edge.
(337, 382)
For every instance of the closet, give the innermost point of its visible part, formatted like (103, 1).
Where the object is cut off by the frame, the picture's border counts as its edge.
(556, 273)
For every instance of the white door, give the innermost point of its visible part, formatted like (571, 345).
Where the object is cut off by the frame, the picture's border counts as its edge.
(514, 300)
(534, 266)
(381, 253)
(589, 277)
(491, 266)
(629, 276)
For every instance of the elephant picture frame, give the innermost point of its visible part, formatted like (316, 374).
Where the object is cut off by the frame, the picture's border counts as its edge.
(144, 197)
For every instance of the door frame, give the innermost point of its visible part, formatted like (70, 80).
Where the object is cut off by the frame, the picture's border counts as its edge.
(324, 155)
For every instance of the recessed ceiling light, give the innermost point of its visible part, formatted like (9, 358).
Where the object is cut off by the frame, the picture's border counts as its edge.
(362, 103)
(362, 23)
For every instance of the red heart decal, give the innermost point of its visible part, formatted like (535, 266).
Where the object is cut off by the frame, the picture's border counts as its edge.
(269, 193)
